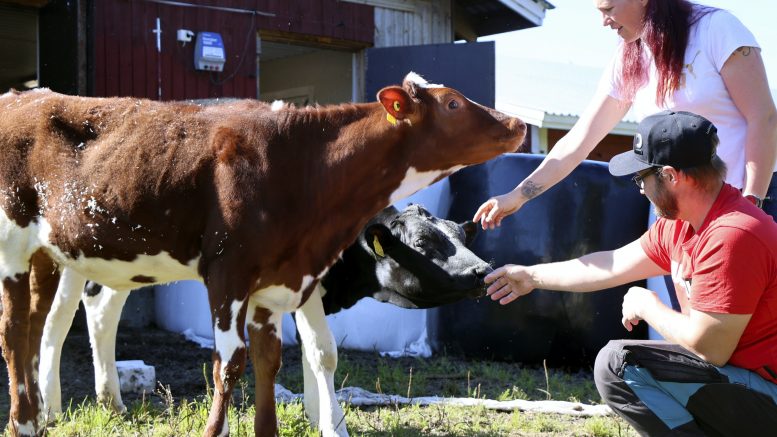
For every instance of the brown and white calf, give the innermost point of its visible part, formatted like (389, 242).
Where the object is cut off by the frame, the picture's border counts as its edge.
(408, 258)
(255, 201)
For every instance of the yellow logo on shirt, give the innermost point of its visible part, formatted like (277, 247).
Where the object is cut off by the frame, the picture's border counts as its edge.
(689, 67)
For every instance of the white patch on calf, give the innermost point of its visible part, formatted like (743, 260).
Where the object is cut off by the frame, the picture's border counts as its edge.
(278, 298)
(225, 427)
(250, 311)
(227, 342)
(117, 274)
(277, 105)
(306, 281)
(35, 363)
(21, 389)
(25, 429)
(282, 299)
(415, 180)
(274, 320)
(18, 245)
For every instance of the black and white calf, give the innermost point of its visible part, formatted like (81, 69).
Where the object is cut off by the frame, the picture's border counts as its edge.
(426, 263)
(410, 259)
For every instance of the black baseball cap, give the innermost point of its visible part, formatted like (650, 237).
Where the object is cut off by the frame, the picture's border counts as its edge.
(678, 139)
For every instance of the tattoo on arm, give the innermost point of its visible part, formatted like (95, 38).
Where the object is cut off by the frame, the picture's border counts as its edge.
(744, 51)
(530, 190)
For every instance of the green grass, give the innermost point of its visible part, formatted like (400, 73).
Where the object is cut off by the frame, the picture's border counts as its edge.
(188, 418)
(162, 414)
(455, 377)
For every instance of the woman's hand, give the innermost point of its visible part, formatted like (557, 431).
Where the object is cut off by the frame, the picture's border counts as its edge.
(602, 115)
(491, 213)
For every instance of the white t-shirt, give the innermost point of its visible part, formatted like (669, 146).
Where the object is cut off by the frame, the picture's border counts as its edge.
(711, 41)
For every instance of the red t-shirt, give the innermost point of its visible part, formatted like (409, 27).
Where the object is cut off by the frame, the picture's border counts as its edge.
(728, 266)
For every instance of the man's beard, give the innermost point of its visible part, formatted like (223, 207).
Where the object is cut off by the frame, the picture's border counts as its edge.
(664, 202)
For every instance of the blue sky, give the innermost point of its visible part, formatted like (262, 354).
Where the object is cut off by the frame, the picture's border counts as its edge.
(573, 33)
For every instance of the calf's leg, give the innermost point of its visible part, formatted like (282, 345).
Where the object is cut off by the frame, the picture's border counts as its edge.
(229, 358)
(264, 334)
(44, 280)
(26, 300)
(57, 325)
(15, 326)
(310, 398)
(320, 362)
(103, 312)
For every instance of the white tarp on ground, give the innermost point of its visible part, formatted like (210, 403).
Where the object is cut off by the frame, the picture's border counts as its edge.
(369, 325)
(360, 397)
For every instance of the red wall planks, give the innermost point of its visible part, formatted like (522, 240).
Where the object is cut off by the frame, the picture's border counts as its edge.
(126, 61)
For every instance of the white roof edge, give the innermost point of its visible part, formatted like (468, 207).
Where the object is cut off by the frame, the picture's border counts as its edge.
(399, 5)
(531, 116)
(531, 10)
(543, 119)
(625, 128)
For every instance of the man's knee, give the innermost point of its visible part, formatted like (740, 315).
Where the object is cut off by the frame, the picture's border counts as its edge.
(608, 367)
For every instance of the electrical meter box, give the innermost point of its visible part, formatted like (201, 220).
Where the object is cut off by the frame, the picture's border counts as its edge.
(209, 52)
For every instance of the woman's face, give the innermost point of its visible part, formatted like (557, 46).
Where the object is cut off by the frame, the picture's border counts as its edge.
(624, 16)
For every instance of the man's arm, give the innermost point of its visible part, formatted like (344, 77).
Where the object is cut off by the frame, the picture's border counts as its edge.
(711, 336)
(595, 271)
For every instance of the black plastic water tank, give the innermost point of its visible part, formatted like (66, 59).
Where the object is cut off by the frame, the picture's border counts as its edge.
(587, 212)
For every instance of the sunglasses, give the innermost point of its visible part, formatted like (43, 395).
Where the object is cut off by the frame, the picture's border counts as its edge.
(640, 177)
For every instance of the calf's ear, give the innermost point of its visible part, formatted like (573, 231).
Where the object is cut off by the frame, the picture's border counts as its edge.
(470, 231)
(379, 238)
(397, 103)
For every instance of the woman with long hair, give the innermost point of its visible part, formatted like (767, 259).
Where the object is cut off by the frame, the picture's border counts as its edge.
(680, 56)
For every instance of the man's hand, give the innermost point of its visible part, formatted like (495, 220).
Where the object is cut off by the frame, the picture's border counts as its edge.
(634, 302)
(508, 283)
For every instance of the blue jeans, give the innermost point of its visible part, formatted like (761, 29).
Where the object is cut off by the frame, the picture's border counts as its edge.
(662, 389)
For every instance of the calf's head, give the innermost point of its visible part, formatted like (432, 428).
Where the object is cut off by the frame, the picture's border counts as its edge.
(450, 130)
(422, 261)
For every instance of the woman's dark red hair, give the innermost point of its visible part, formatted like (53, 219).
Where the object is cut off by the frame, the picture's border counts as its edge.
(667, 24)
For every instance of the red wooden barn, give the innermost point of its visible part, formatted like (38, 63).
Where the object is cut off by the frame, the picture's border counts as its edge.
(299, 50)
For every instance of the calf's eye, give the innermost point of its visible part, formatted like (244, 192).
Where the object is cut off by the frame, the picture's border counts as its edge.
(453, 104)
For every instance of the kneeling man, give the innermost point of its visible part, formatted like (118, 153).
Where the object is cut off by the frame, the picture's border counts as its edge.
(717, 372)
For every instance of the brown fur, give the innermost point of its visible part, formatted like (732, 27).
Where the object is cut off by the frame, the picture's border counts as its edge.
(262, 197)
(265, 350)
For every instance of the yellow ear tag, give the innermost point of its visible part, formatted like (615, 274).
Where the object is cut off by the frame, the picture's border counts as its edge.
(378, 247)
(391, 119)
